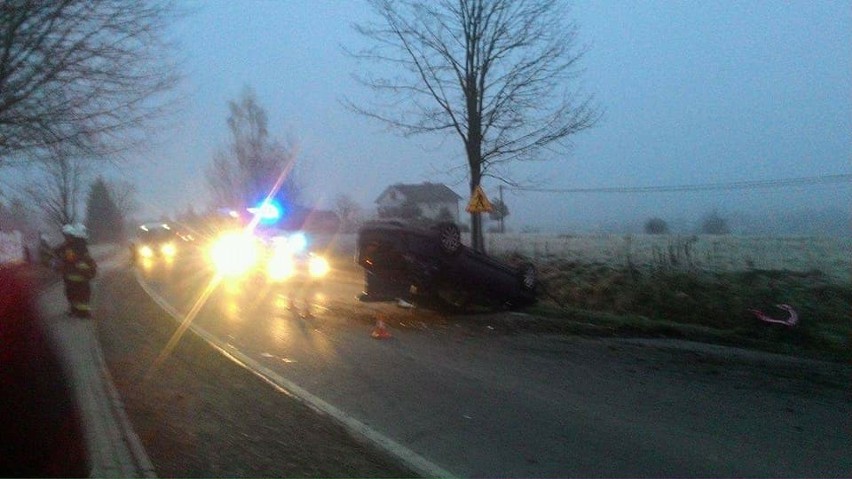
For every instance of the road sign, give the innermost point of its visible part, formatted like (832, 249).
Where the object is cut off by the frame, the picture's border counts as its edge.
(478, 202)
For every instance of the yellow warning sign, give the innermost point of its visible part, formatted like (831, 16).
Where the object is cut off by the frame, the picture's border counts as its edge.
(478, 202)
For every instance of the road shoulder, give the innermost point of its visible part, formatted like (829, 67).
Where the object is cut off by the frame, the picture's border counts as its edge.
(198, 414)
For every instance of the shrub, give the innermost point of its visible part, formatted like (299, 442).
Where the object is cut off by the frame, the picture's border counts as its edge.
(656, 226)
(713, 224)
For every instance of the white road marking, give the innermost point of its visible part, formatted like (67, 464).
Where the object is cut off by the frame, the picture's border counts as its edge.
(409, 458)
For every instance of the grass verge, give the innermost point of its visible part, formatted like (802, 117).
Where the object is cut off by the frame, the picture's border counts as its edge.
(688, 303)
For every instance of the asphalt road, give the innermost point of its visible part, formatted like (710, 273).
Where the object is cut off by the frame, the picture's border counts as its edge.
(459, 397)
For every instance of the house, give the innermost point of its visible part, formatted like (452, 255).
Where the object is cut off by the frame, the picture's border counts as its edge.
(426, 200)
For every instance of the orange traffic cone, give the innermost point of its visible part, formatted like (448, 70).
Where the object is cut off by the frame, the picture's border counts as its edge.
(380, 331)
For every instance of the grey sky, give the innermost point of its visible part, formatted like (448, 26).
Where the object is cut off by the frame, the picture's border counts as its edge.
(693, 92)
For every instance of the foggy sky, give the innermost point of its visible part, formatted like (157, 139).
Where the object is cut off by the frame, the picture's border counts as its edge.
(692, 93)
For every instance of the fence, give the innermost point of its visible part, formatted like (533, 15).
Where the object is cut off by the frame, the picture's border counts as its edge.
(832, 256)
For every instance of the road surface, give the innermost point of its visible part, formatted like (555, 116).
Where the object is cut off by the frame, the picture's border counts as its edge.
(457, 396)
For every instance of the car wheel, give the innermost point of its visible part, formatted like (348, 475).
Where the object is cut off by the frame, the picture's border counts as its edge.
(528, 277)
(449, 237)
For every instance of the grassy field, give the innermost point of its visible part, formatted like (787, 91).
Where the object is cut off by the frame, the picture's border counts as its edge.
(830, 256)
(700, 287)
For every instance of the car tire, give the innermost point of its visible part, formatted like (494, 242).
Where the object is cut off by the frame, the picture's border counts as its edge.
(449, 238)
(528, 277)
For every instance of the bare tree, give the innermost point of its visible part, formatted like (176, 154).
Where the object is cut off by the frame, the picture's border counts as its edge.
(58, 193)
(123, 194)
(494, 72)
(223, 180)
(16, 216)
(81, 76)
(348, 211)
(253, 165)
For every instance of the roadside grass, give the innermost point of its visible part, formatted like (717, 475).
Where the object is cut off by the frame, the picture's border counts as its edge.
(675, 299)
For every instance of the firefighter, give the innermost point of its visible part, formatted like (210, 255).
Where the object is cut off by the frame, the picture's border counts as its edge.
(77, 268)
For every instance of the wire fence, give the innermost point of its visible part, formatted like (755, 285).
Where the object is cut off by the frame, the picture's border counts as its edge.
(830, 256)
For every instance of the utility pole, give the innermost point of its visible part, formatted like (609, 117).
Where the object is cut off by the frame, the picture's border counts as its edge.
(502, 205)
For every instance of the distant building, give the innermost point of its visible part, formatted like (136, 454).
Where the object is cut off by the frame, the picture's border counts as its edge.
(425, 200)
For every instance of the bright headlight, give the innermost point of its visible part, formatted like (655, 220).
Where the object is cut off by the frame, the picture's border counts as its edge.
(318, 266)
(145, 251)
(168, 249)
(280, 267)
(234, 254)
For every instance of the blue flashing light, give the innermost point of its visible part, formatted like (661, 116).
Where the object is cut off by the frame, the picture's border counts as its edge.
(268, 212)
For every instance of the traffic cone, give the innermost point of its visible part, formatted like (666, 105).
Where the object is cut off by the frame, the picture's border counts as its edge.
(380, 331)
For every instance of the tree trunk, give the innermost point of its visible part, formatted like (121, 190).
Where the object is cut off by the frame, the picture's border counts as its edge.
(474, 158)
(476, 240)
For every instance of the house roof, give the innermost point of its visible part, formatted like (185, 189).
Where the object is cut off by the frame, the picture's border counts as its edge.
(423, 192)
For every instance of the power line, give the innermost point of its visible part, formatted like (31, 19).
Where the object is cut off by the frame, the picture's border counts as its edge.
(738, 185)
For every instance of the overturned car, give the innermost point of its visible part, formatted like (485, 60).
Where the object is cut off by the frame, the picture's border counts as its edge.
(429, 265)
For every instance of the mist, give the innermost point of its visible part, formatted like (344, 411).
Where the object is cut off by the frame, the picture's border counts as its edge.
(691, 93)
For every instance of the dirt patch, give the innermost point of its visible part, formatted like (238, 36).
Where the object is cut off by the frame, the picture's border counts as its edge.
(200, 415)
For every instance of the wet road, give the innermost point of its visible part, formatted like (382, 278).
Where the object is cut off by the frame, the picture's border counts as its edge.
(468, 401)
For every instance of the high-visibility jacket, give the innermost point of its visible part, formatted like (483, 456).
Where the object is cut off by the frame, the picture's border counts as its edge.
(75, 262)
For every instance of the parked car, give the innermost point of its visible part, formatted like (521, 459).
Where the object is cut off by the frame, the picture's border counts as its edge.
(406, 261)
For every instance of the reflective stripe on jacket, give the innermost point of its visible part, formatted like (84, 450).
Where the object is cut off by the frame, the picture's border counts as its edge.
(76, 263)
